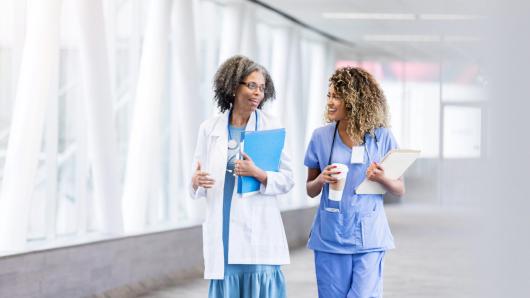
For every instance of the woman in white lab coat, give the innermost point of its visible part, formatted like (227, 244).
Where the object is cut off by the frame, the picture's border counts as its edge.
(243, 238)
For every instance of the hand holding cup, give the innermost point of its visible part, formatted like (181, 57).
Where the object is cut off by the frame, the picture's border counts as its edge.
(328, 175)
(339, 176)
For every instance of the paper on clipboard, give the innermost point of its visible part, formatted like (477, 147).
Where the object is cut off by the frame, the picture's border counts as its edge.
(395, 163)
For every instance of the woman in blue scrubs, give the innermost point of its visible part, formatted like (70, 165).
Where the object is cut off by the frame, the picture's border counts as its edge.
(349, 237)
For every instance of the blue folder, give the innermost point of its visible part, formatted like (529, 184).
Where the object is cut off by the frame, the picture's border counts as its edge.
(265, 148)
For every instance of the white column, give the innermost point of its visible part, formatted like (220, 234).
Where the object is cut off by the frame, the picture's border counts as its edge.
(279, 62)
(282, 53)
(209, 12)
(318, 83)
(19, 25)
(294, 114)
(316, 100)
(188, 110)
(102, 145)
(38, 70)
(142, 177)
(249, 39)
(231, 30)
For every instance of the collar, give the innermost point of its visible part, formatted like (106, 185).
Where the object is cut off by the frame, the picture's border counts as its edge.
(221, 123)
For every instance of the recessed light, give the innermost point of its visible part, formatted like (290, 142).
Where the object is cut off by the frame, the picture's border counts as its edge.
(370, 16)
(449, 17)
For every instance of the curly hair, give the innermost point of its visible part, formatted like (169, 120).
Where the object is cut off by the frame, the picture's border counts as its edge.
(366, 106)
(229, 75)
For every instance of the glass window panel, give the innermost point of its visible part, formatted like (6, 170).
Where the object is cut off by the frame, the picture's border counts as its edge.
(123, 19)
(264, 32)
(123, 67)
(462, 132)
(6, 103)
(6, 20)
(122, 120)
(67, 217)
(66, 222)
(422, 117)
(394, 93)
(208, 32)
(6, 88)
(462, 82)
(38, 224)
(94, 220)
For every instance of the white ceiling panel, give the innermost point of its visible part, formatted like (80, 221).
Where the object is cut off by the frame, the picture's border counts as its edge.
(431, 29)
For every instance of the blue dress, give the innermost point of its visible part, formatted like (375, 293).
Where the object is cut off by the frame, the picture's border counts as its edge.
(242, 280)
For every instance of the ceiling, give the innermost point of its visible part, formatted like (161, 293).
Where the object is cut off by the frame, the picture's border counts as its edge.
(423, 30)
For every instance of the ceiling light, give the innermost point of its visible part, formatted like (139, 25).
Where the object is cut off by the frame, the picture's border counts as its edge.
(419, 38)
(402, 38)
(370, 16)
(449, 17)
(400, 16)
(461, 38)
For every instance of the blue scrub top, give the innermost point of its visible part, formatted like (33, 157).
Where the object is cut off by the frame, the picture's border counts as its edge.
(360, 225)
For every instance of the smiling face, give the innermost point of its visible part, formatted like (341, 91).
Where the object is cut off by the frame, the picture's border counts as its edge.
(247, 99)
(336, 106)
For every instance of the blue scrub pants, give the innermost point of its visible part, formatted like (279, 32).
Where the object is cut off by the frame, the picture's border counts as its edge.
(349, 276)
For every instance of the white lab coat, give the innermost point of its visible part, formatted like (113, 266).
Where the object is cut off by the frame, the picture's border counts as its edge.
(256, 233)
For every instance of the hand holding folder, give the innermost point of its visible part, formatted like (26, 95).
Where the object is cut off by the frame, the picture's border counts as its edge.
(395, 163)
(265, 148)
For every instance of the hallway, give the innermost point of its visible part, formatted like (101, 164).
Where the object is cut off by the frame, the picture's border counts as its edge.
(432, 259)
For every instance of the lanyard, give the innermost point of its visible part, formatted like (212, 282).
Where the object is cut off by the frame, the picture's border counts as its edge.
(364, 140)
(228, 125)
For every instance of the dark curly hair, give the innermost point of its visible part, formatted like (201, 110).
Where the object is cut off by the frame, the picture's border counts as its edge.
(366, 106)
(229, 75)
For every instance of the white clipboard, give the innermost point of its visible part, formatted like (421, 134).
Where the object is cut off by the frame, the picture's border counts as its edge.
(395, 163)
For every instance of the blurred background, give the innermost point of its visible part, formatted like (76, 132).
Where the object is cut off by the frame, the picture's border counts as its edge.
(100, 103)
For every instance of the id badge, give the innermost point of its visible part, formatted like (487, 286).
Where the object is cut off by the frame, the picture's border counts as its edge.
(357, 154)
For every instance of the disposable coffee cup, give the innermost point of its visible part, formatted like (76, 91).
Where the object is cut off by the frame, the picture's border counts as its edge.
(336, 189)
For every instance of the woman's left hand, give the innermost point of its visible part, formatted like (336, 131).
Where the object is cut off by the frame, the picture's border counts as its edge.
(375, 172)
(246, 166)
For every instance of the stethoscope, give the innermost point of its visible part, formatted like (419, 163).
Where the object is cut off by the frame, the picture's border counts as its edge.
(332, 209)
(364, 143)
(232, 144)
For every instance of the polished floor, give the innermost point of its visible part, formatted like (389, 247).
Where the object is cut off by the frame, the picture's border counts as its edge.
(432, 259)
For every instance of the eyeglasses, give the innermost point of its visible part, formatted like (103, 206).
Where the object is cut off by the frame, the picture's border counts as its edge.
(253, 86)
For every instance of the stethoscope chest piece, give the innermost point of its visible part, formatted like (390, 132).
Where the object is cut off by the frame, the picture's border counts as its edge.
(232, 144)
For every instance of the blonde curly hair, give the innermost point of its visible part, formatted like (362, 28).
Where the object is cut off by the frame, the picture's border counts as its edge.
(366, 106)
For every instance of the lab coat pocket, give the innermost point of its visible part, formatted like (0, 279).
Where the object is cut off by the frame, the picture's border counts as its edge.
(266, 225)
(330, 225)
(374, 230)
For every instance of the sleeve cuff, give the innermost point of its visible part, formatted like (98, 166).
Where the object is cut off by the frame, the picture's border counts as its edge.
(266, 190)
(200, 192)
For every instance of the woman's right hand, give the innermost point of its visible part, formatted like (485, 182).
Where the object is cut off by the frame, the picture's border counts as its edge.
(327, 175)
(201, 179)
